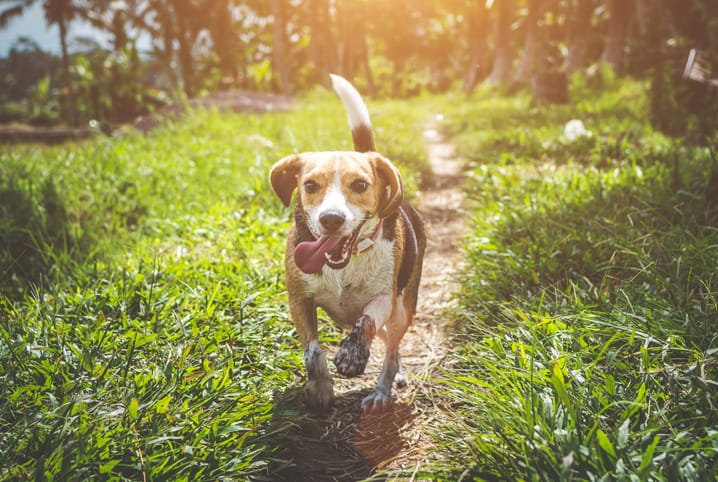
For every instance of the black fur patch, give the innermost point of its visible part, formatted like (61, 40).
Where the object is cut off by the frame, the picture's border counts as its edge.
(302, 230)
(412, 227)
(363, 139)
(353, 352)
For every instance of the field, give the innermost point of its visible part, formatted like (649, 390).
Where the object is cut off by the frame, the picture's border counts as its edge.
(144, 332)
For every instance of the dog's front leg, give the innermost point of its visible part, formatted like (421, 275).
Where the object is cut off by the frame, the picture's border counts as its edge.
(394, 329)
(353, 354)
(319, 390)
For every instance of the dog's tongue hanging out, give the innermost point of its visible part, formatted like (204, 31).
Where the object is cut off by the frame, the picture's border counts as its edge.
(310, 255)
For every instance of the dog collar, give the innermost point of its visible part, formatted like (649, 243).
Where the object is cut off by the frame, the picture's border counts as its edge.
(367, 243)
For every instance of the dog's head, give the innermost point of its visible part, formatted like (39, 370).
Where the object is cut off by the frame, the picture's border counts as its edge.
(338, 194)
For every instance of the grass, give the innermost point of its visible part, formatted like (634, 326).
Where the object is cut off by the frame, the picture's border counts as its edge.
(590, 296)
(144, 332)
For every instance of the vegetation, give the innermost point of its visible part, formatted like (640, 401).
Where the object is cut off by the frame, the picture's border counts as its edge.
(143, 323)
(144, 332)
(589, 296)
(161, 52)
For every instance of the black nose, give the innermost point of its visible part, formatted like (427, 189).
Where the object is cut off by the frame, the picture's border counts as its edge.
(332, 220)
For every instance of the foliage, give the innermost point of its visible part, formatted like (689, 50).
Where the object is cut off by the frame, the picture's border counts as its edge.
(589, 296)
(157, 348)
(194, 47)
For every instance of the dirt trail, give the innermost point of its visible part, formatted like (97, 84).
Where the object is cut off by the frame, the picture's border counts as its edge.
(346, 445)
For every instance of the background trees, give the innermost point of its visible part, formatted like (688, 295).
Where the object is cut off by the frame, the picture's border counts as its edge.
(388, 47)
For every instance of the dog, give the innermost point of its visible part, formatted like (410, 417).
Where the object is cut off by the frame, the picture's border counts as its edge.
(355, 248)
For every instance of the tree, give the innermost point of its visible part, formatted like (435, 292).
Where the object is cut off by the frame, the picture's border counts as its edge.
(322, 46)
(225, 39)
(503, 49)
(578, 34)
(614, 52)
(533, 44)
(59, 12)
(478, 26)
(353, 53)
(280, 56)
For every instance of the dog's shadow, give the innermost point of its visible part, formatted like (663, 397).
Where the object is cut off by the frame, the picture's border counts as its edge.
(343, 444)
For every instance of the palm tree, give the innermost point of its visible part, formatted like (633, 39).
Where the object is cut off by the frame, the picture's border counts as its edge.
(59, 12)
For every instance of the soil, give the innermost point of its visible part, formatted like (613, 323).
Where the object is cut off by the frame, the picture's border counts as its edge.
(346, 445)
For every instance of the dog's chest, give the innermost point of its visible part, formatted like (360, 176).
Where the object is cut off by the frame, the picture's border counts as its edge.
(343, 293)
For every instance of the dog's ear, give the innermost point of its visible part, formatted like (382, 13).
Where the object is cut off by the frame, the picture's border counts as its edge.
(283, 177)
(389, 174)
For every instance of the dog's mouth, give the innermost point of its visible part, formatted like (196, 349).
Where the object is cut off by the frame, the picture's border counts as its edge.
(334, 251)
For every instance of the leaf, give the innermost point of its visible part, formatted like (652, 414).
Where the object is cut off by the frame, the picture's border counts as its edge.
(161, 405)
(623, 432)
(107, 467)
(133, 407)
(605, 443)
(647, 460)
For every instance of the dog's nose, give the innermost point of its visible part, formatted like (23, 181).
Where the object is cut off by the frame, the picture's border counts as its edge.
(332, 220)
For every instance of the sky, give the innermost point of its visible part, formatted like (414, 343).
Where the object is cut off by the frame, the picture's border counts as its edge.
(32, 24)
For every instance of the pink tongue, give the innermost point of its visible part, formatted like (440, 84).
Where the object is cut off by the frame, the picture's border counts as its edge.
(309, 255)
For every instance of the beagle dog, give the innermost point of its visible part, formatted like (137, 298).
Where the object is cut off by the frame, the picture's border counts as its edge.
(355, 249)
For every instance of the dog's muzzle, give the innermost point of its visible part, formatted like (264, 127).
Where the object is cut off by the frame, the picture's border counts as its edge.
(334, 251)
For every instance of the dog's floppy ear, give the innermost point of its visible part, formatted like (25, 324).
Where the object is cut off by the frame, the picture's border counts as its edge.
(283, 177)
(389, 174)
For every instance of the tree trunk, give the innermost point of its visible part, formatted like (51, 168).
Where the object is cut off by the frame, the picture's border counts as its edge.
(478, 33)
(353, 49)
(225, 40)
(655, 25)
(280, 57)
(501, 71)
(615, 49)
(533, 46)
(184, 54)
(177, 28)
(578, 37)
(322, 47)
(71, 105)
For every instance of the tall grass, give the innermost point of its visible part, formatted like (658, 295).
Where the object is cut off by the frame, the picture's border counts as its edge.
(144, 333)
(590, 297)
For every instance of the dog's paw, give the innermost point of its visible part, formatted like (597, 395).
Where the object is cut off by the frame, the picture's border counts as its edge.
(353, 354)
(319, 394)
(352, 358)
(376, 402)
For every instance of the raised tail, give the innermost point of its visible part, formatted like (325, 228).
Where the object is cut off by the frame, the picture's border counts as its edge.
(357, 112)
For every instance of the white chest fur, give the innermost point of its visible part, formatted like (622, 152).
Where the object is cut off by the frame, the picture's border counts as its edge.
(343, 293)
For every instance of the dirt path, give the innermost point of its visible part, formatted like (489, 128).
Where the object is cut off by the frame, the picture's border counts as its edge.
(348, 446)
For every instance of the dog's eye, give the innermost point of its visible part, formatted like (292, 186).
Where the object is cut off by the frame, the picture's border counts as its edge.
(359, 186)
(310, 187)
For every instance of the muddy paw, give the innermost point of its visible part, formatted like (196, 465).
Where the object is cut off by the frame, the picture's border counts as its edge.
(353, 352)
(352, 357)
(376, 402)
(319, 394)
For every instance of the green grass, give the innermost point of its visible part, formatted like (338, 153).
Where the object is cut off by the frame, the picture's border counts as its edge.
(590, 296)
(144, 330)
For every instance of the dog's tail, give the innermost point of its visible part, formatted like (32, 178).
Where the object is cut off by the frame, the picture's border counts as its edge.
(358, 114)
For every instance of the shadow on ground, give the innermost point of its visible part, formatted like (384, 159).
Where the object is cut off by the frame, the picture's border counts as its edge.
(342, 445)
(33, 229)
